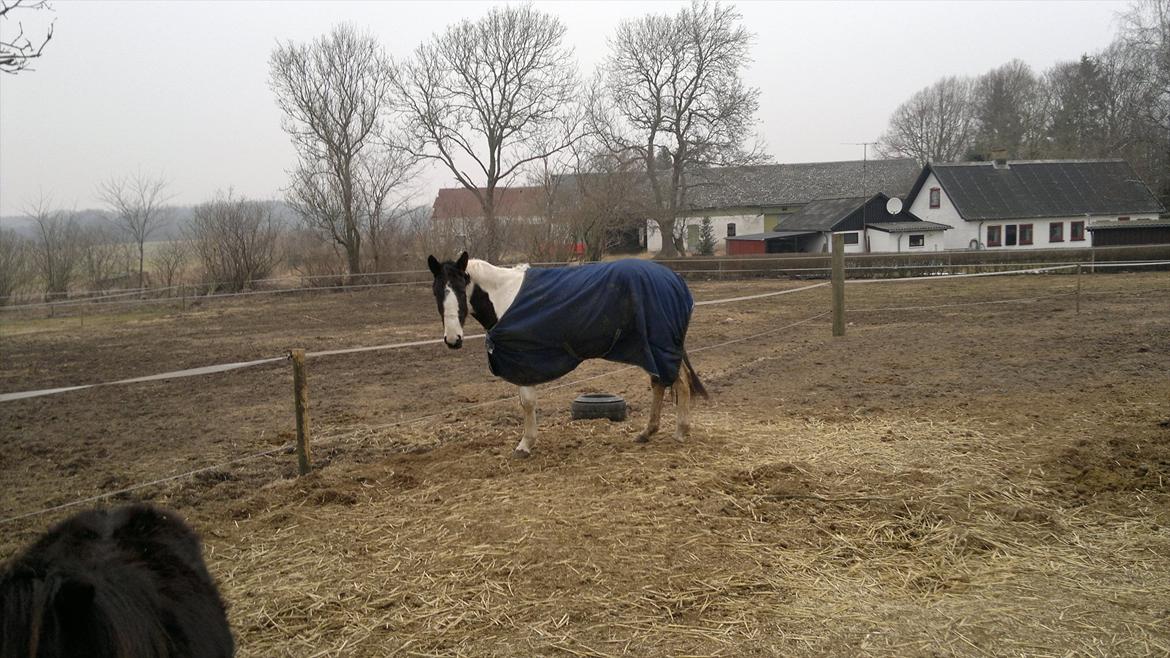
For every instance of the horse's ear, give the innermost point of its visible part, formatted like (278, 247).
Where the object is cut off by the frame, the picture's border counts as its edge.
(433, 263)
(462, 262)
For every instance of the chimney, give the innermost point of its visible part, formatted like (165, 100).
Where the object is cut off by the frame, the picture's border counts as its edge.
(999, 157)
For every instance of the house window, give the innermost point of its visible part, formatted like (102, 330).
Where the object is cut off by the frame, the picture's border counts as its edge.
(1056, 232)
(1009, 235)
(992, 236)
(850, 238)
(731, 229)
(1123, 219)
(1025, 234)
(935, 197)
(1076, 231)
(917, 240)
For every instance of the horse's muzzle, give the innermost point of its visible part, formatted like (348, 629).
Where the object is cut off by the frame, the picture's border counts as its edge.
(456, 345)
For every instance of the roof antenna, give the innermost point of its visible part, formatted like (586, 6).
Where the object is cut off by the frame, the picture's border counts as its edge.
(864, 194)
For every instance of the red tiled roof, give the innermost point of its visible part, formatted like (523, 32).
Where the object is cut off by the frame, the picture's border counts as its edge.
(461, 203)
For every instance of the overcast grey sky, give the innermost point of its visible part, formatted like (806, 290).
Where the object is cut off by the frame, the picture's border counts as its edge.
(181, 88)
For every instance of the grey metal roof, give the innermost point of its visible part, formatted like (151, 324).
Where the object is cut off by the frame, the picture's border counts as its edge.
(908, 227)
(1042, 188)
(795, 184)
(820, 215)
(757, 237)
(1158, 223)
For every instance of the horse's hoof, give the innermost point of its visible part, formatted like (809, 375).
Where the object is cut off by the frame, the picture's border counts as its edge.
(521, 454)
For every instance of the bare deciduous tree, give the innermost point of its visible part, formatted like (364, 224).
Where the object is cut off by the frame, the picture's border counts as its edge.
(18, 51)
(673, 100)
(105, 259)
(382, 199)
(169, 262)
(15, 264)
(57, 246)
(236, 241)
(334, 94)
(937, 124)
(488, 97)
(137, 206)
(1009, 111)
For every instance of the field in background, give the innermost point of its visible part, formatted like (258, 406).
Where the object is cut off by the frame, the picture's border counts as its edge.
(979, 478)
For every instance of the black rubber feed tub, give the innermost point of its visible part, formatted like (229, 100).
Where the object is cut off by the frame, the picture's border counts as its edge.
(599, 405)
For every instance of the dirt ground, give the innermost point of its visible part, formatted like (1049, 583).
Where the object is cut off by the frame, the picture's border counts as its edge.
(972, 479)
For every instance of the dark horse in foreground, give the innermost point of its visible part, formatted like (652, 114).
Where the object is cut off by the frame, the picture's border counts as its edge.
(542, 323)
(127, 583)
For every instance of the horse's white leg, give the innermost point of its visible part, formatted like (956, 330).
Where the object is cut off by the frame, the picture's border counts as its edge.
(682, 403)
(528, 402)
(657, 391)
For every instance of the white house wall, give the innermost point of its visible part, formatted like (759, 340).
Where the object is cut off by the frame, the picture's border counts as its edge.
(881, 241)
(960, 235)
(964, 233)
(744, 225)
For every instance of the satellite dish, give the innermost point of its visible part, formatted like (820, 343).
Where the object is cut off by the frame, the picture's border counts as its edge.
(894, 205)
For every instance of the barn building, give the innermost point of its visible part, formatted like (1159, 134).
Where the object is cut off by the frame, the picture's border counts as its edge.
(1114, 234)
(873, 224)
(1042, 204)
(747, 201)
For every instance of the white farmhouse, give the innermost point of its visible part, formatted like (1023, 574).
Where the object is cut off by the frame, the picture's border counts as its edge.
(1040, 204)
(750, 200)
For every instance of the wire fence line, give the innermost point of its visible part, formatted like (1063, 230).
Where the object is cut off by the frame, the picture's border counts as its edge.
(193, 372)
(352, 434)
(113, 299)
(287, 448)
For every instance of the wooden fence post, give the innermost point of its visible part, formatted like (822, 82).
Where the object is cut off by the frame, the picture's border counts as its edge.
(838, 284)
(301, 393)
(1079, 267)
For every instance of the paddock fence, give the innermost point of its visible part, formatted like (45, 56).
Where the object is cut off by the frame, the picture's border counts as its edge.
(1067, 290)
(792, 266)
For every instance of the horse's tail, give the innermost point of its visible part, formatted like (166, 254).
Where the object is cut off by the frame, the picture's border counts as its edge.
(696, 384)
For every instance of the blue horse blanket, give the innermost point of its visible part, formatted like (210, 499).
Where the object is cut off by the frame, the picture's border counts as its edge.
(629, 311)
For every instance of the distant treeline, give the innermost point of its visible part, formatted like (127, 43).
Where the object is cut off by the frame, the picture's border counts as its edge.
(1110, 104)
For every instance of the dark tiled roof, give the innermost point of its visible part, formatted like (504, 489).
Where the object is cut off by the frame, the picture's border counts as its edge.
(820, 215)
(1042, 188)
(795, 184)
(907, 227)
(1156, 223)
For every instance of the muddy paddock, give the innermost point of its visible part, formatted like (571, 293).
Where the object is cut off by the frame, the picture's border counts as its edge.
(974, 469)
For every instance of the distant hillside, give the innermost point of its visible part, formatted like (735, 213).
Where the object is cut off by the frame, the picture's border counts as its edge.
(179, 218)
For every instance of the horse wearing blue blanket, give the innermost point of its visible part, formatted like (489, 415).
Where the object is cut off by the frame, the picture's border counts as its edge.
(542, 323)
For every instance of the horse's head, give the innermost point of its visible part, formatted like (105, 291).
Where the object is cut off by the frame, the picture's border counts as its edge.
(450, 289)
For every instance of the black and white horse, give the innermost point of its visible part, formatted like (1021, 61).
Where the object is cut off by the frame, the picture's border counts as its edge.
(113, 583)
(542, 323)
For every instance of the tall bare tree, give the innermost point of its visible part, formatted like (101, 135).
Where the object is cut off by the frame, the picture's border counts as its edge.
(56, 247)
(488, 97)
(19, 50)
(1009, 111)
(1145, 36)
(672, 98)
(334, 94)
(15, 265)
(937, 124)
(137, 205)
